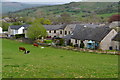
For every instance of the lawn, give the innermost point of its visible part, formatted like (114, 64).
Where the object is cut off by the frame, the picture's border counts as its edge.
(55, 63)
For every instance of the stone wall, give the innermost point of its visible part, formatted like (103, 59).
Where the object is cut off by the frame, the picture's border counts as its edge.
(88, 50)
(107, 41)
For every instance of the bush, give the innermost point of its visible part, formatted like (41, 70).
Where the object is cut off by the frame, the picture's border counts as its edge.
(71, 44)
(47, 41)
(76, 45)
(82, 44)
(61, 42)
(38, 41)
(19, 36)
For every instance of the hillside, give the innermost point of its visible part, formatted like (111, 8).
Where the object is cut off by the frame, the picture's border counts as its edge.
(77, 10)
(15, 6)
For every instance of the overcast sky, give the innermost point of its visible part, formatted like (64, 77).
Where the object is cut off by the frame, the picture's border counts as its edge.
(66, 1)
(41, 0)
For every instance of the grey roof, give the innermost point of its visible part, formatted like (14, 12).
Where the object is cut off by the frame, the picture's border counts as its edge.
(71, 26)
(16, 27)
(67, 37)
(91, 25)
(85, 33)
(117, 37)
(54, 27)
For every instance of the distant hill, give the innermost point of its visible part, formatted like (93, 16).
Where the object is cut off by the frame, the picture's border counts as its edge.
(77, 10)
(15, 6)
(74, 8)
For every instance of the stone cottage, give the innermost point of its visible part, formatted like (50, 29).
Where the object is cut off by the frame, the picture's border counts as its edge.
(116, 42)
(101, 36)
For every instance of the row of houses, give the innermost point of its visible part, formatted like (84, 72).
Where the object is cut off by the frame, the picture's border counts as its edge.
(92, 35)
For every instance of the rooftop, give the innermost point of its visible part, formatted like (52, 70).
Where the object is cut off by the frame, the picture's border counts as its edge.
(86, 33)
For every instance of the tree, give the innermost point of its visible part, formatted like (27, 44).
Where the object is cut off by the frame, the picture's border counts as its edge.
(28, 20)
(17, 23)
(114, 18)
(44, 21)
(5, 26)
(65, 18)
(41, 20)
(47, 21)
(36, 30)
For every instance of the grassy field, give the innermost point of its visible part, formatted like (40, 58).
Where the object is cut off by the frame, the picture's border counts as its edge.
(55, 63)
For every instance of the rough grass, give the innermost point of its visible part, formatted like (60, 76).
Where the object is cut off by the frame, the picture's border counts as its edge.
(55, 63)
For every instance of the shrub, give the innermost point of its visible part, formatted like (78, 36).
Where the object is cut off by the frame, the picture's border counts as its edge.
(82, 44)
(76, 45)
(19, 36)
(38, 41)
(47, 41)
(71, 44)
(61, 42)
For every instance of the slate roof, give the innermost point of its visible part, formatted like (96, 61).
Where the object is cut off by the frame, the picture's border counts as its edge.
(117, 37)
(54, 27)
(67, 37)
(91, 25)
(16, 27)
(71, 26)
(86, 33)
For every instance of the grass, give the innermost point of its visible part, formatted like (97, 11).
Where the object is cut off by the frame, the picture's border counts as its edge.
(0, 59)
(55, 63)
(107, 15)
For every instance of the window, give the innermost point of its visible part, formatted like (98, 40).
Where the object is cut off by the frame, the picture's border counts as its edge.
(75, 41)
(69, 32)
(23, 30)
(54, 31)
(50, 31)
(65, 32)
(60, 32)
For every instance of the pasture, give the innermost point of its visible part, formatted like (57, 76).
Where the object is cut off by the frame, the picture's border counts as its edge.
(55, 63)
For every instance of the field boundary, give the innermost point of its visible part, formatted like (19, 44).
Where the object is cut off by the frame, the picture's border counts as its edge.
(89, 50)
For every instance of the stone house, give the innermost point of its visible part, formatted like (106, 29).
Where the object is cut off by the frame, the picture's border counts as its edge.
(69, 29)
(114, 24)
(55, 30)
(101, 36)
(52, 30)
(116, 41)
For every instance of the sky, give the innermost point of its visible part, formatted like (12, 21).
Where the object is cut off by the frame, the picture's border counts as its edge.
(41, 0)
(65, 1)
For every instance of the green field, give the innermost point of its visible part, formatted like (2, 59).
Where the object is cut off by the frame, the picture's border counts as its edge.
(55, 63)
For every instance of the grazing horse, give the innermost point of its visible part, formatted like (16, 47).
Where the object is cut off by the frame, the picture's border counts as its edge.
(22, 48)
(35, 44)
